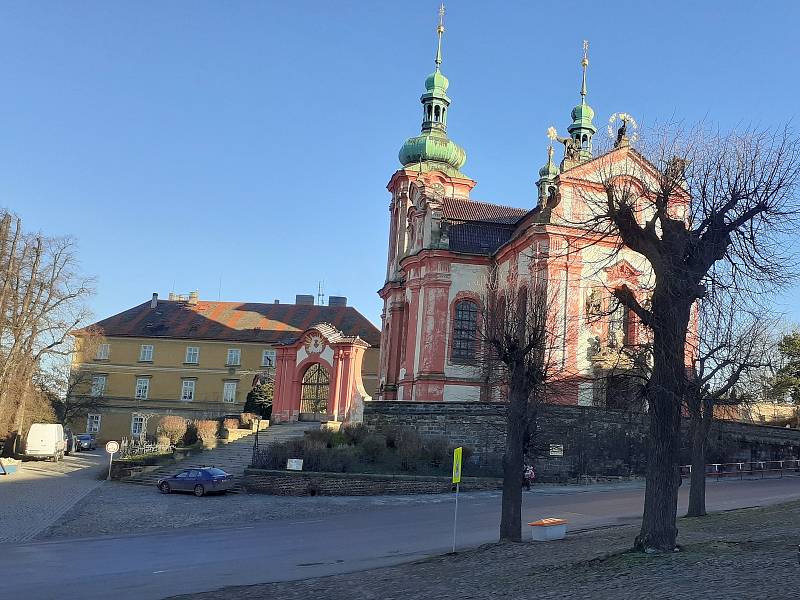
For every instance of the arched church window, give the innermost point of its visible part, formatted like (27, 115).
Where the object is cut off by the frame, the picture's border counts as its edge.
(436, 113)
(620, 327)
(429, 112)
(443, 109)
(314, 391)
(585, 141)
(465, 329)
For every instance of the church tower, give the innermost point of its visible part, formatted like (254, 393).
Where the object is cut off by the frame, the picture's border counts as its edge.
(430, 174)
(581, 130)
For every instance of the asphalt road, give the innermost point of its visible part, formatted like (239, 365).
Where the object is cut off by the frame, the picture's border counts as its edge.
(162, 564)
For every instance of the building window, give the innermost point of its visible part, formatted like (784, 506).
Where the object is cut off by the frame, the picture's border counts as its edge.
(137, 424)
(192, 355)
(92, 423)
(146, 353)
(268, 358)
(187, 390)
(229, 391)
(98, 385)
(234, 357)
(465, 327)
(142, 387)
(102, 352)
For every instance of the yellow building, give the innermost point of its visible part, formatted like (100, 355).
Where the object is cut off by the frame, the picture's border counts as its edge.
(195, 358)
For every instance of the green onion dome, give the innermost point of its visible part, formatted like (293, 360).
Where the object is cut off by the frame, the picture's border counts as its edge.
(432, 147)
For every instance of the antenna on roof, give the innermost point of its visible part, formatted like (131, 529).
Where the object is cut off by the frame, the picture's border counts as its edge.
(320, 294)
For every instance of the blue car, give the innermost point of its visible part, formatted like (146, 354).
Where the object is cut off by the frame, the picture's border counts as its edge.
(199, 480)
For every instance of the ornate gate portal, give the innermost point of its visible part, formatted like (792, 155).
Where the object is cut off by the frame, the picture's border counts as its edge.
(314, 393)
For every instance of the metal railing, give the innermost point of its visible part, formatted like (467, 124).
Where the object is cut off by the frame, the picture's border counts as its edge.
(132, 447)
(751, 470)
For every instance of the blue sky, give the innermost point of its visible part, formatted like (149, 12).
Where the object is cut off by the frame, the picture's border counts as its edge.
(185, 143)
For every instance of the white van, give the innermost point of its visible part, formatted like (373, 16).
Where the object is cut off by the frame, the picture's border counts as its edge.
(46, 440)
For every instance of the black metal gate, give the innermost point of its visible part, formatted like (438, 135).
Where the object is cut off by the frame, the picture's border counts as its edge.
(314, 393)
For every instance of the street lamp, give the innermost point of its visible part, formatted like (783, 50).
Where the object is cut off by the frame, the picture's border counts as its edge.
(257, 421)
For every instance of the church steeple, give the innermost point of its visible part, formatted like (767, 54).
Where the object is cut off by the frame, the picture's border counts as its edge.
(582, 129)
(433, 146)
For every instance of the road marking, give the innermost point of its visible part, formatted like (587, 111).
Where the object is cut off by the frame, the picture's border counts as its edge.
(157, 572)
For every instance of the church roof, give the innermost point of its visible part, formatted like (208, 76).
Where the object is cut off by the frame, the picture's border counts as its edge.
(234, 321)
(471, 210)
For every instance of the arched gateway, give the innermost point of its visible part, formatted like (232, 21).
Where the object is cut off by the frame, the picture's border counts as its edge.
(318, 377)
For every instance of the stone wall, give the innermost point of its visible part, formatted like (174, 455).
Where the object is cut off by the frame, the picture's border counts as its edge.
(596, 441)
(300, 483)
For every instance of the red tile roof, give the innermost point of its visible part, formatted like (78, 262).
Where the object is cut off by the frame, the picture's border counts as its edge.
(471, 210)
(235, 321)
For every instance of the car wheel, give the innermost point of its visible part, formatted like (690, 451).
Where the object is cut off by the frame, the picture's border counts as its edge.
(164, 488)
(199, 490)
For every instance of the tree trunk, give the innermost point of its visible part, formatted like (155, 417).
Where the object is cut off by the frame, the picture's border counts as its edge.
(665, 396)
(697, 490)
(516, 427)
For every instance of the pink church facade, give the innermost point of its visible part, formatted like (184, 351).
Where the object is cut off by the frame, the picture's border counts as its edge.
(442, 243)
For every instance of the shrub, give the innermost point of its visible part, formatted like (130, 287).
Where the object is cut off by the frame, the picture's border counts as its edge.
(354, 433)
(438, 450)
(319, 436)
(409, 447)
(247, 418)
(230, 424)
(206, 431)
(190, 437)
(172, 427)
(372, 447)
(163, 440)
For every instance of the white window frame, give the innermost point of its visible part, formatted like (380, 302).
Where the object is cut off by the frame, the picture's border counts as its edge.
(228, 395)
(103, 352)
(192, 355)
(137, 419)
(268, 362)
(93, 423)
(138, 390)
(237, 352)
(99, 390)
(188, 385)
(146, 352)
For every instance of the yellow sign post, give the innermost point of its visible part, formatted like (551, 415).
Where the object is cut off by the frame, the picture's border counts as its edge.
(457, 480)
(457, 465)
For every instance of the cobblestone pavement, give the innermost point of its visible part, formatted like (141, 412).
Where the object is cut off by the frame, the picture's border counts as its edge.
(41, 491)
(750, 553)
(119, 508)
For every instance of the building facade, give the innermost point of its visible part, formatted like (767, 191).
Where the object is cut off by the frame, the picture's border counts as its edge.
(443, 243)
(199, 359)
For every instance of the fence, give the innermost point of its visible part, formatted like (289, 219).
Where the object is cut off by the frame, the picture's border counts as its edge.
(751, 470)
(133, 447)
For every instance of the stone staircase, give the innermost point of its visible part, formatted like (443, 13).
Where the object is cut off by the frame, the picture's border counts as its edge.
(232, 457)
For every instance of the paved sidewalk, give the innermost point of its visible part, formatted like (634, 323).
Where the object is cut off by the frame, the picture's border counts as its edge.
(41, 492)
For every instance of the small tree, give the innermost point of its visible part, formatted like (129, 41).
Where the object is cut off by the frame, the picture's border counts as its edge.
(731, 348)
(786, 383)
(514, 343)
(259, 398)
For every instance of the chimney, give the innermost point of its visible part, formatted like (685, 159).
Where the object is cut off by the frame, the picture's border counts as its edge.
(337, 300)
(277, 301)
(193, 298)
(154, 301)
(304, 299)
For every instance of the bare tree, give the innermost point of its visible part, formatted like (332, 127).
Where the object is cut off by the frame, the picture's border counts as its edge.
(705, 210)
(42, 298)
(515, 344)
(69, 382)
(731, 348)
